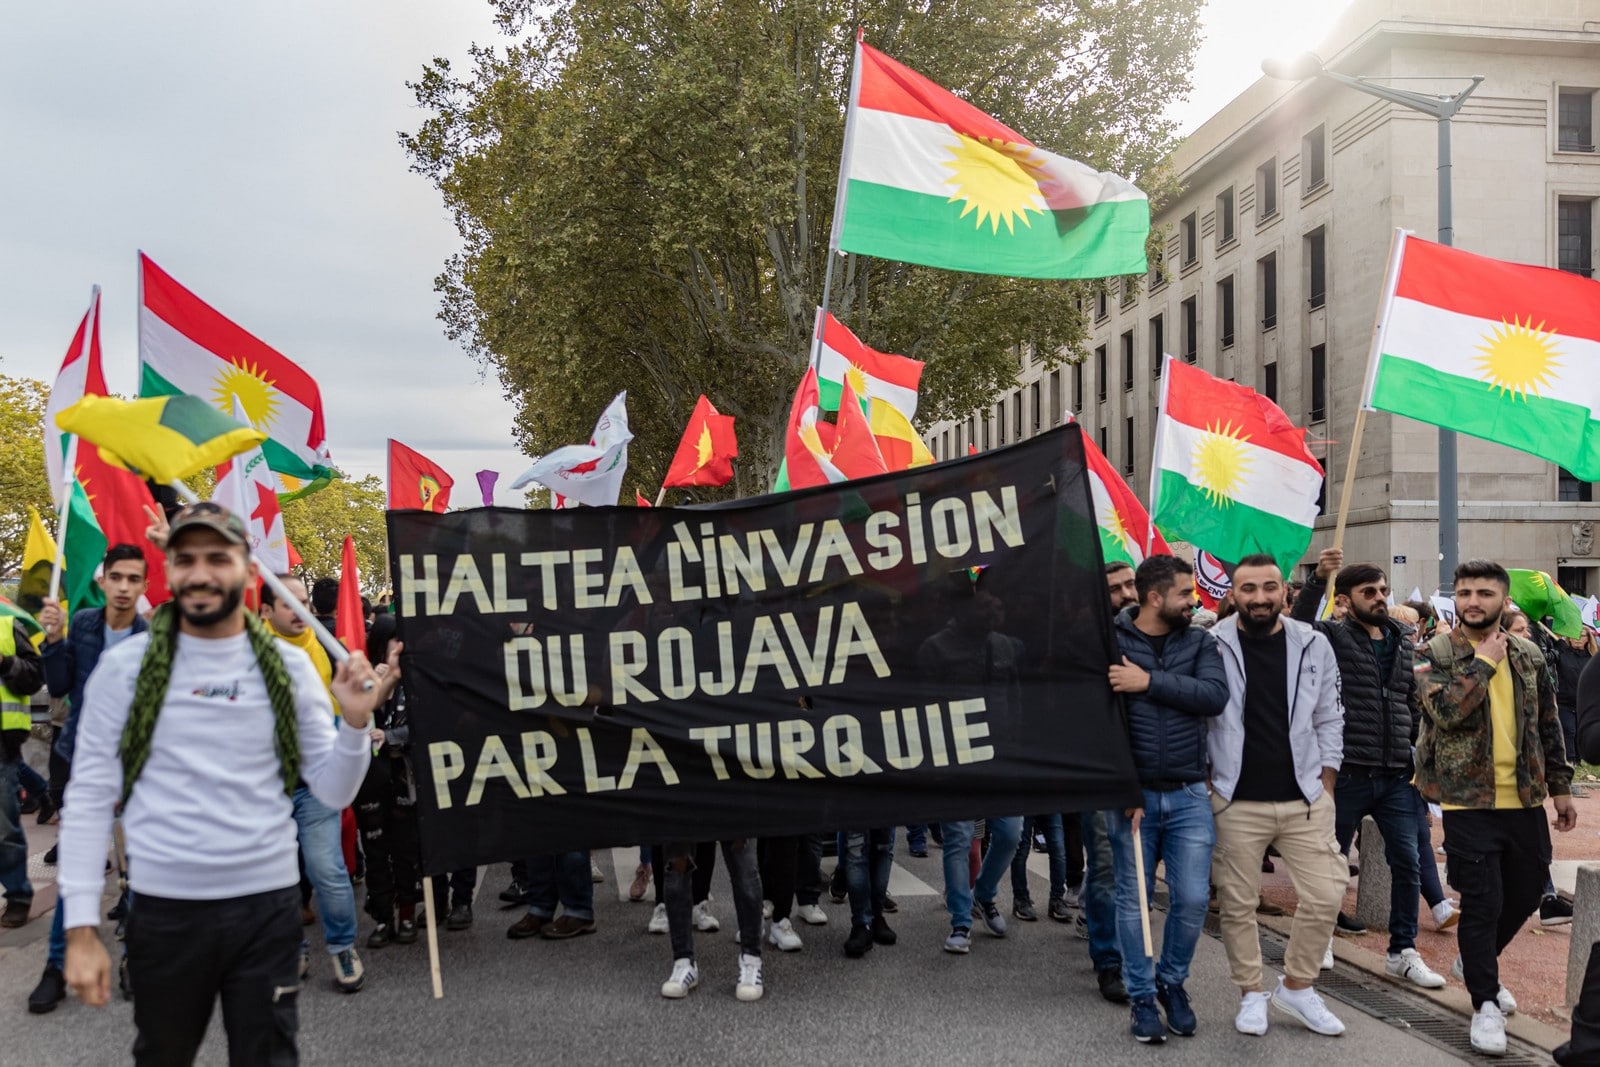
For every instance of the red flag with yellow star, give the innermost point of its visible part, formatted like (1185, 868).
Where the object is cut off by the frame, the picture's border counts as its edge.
(415, 481)
(705, 455)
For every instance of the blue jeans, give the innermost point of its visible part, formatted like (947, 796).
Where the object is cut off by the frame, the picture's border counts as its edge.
(13, 844)
(560, 878)
(1178, 830)
(1055, 843)
(1099, 898)
(868, 858)
(917, 837)
(32, 781)
(959, 891)
(323, 850)
(1388, 798)
(1427, 860)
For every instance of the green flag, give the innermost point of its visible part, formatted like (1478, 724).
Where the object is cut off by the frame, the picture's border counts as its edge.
(1538, 594)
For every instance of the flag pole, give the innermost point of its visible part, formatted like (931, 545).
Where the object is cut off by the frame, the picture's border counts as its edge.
(1155, 455)
(69, 467)
(1144, 901)
(661, 496)
(1397, 248)
(839, 195)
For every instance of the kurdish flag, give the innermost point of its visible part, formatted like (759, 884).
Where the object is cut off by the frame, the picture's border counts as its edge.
(1541, 597)
(11, 613)
(1231, 471)
(1498, 350)
(1125, 528)
(928, 178)
(187, 346)
(892, 379)
(167, 439)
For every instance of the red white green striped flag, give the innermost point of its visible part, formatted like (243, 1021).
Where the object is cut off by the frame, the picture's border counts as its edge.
(187, 346)
(1502, 351)
(1126, 532)
(1231, 472)
(928, 178)
(890, 378)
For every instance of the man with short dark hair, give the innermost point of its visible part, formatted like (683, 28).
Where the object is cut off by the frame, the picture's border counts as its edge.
(1121, 586)
(1489, 752)
(70, 655)
(1380, 716)
(1173, 682)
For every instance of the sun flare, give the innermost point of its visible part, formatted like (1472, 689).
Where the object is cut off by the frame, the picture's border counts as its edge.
(998, 180)
(1519, 358)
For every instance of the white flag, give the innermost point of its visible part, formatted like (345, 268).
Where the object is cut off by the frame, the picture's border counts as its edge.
(587, 474)
(246, 487)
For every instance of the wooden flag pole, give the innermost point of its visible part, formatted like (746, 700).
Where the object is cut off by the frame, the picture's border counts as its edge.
(1349, 477)
(661, 496)
(433, 938)
(1144, 896)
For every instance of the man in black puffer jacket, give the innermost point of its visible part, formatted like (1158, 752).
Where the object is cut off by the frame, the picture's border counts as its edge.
(1583, 1050)
(1380, 721)
(1174, 682)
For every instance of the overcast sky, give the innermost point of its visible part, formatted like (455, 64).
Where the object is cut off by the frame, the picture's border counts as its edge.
(250, 149)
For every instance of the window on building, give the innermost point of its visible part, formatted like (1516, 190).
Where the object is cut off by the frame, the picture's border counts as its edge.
(1575, 120)
(1127, 360)
(1156, 279)
(1189, 228)
(1269, 381)
(1016, 415)
(1575, 236)
(1129, 291)
(952, 444)
(1077, 386)
(1127, 445)
(1319, 382)
(1225, 311)
(1570, 490)
(1100, 372)
(1314, 159)
(1036, 401)
(1317, 267)
(1000, 421)
(1267, 190)
(1158, 344)
(1225, 217)
(986, 421)
(1267, 271)
(1190, 312)
(1101, 307)
(972, 429)
(1574, 580)
(1055, 397)
(1101, 440)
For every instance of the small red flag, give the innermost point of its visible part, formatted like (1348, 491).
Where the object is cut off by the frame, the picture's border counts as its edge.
(972, 450)
(639, 500)
(705, 455)
(415, 481)
(350, 627)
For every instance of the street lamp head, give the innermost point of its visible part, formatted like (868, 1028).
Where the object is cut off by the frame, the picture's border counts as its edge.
(1292, 68)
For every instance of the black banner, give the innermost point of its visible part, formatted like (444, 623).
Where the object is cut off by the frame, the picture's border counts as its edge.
(915, 647)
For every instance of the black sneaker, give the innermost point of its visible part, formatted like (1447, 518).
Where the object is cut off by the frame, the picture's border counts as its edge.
(30, 804)
(50, 856)
(1023, 909)
(47, 810)
(837, 890)
(460, 917)
(1111, 986)
(859, 943)
(51, 990)
(1345, 926)
(1553, 911)
(890, 906)
(381, 935)
(919, 852)
(1147, 1027)
(881, 933)
(514, 894)
(405, 931)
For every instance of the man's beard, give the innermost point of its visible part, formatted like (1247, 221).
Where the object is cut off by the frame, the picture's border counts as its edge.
(1377, 617)
(1177, 621)
(1258, 627)
(231, 599)
(1489, 624)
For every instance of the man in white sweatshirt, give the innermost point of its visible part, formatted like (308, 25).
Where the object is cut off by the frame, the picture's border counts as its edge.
(198, 731)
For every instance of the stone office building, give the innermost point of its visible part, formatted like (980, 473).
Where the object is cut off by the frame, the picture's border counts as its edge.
(1275, 254)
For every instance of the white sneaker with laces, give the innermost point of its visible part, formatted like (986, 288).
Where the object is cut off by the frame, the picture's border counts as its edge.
(1409, 966)
(749, 986)
(1252, 1017)
(1506, 1002)
(1489, 1030)
(783, 938)
(658, 921)
(1327, 958)
(704, 921)
(685, 977)
(1307, 1006)
(812, 915)
(1445, 914)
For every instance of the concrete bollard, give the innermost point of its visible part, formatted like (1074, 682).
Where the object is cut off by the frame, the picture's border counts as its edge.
(1585, 927)
(1372, 891)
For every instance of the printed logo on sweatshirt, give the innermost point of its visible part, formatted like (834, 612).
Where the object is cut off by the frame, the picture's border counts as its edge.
(228, 692)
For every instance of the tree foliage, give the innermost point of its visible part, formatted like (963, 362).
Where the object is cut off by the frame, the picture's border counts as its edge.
(317, 524)
(644, 189)
(23, 479)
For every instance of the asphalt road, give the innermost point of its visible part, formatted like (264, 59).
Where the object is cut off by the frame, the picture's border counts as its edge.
(1028, 999)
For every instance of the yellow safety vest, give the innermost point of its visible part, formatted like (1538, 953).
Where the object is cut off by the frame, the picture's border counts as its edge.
(14, 711)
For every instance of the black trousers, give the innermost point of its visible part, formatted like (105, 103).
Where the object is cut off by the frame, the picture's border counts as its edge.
(1074, 838)
(388, 823)
(183, 954)
(705, 865)
(1499, 862)
(1586, 1016)
(777, 859)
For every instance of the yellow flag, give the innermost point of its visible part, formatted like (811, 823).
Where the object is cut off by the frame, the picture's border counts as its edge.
(38, 557)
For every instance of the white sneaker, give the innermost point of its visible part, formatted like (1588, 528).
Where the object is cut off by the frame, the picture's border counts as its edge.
(1409, 966)
(783, 938)
(594, 873)
(1307, 1006)
(749, 987)
(1445, 914)
(1327, 958)
(1252, 1017)
(704, 921)
(684, 978)
(658, 921)
(812, 915)
(1506, 1002)
(1489, 1030)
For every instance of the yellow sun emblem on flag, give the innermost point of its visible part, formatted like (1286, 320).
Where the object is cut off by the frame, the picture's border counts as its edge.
(1110, 521)
(1519, 358)
(1221, 463)
(254, 390)
(997, 179)
(858, 380)
(703, 447)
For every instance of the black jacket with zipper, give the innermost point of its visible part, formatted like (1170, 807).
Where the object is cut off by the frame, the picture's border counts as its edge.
(1167, 724)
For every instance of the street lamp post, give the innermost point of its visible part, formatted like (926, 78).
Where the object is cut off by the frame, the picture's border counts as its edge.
(1442, 108)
